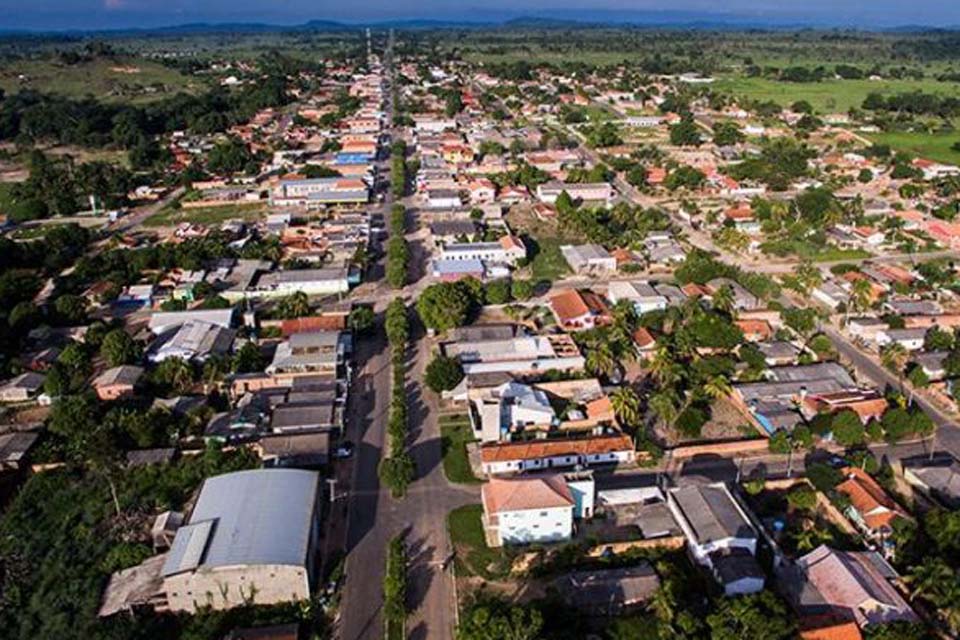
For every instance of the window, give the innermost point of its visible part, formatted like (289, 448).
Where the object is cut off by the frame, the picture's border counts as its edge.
(543, 514)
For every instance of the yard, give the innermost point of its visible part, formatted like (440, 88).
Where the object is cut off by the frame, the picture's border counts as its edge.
(170, 216)
(473, 556)
(455, 433)
(794, 520)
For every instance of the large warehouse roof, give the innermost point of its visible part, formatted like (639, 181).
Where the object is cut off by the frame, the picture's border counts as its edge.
(262, 516)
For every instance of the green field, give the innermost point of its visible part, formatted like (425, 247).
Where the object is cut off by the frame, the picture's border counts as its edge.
(548, 263)
(170, 216)
(828, 96)
(118, 79)
(927, 145)
(455, 433)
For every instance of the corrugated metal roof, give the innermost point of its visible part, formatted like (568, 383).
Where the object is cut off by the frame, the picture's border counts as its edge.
(262, 516)
(186, 552)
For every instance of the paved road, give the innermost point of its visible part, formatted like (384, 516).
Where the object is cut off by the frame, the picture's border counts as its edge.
(374, 516)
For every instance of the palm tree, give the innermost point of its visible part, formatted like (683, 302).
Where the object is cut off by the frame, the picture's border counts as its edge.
(296, 305)
(936, 582)
(717, 387)
(808, 276)
(894, 358)
(662, 366)
(664, 405)
(600, 360)
(861, 294)
(723, 299)
(626, 405)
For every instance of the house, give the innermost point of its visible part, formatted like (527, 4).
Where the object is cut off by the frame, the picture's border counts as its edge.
(14, 449)
(117, 382)
(444, 231)
(644, 343)
(585, 258)
(858, 585)
(755, 330)
(195, 340)
(831, 294)
(443, 199)
(720, 536)
(511, 406)
(579, 310)
(24, 387)
(310, 354)
(868, 404)
(743, 219)
(252, 538)
(932, 363)
(936, 477)
(779, 353)
(314, 192)
(829, 627)
(294, 449)
(870, 508)
(164, 321)
(517, 355)
(641, 295)
(513, 457)
(449, 270)
(743, 300)
(608, 592)
(909, 339)
(585, 191)
(508, 250)
(313, 282)
(527, 510)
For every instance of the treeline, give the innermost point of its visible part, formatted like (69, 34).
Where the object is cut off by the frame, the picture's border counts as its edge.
(915, 103)
(61, 187)
(399, 469)
(30, 116)
(398, 251)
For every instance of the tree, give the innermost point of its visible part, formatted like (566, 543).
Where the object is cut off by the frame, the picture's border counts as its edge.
(808, 276)
(445, 305)
(626, 405)
(600, 360)
(362, 319)
(119, 348)
(758, 616)
(802, 497)
(937, 339)
(685, 133)
(498, 291)
(861, 294)
(521, 289)
(803, 321)
(723, 299)
(443, 373)
(664, 406)
(718, 387)
(397, 472)
(71, 309)
(176, 373)
(779, 442)
(493, 621)
(295, 305)
(248, 358)
(847, 429)
(894, 357)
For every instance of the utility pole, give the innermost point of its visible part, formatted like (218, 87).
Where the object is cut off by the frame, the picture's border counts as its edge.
(333, 489)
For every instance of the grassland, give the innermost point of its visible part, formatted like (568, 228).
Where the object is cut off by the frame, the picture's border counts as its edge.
(170, 216)
(927, 145)
(828, 96)
(116, 80)
(455, 433)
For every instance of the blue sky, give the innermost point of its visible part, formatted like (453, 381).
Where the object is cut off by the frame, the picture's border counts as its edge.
(85, 14)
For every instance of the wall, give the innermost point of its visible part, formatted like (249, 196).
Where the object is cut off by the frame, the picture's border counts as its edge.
(229, 587)
(670, 542)
(519, 527)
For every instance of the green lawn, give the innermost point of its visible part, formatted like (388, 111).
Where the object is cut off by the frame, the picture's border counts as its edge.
(170, 216)
(812, 252)
(927, 145)
(828, 96)
(455, 433)
(474, 557)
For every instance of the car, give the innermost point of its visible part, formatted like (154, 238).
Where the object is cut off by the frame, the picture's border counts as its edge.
(344, 450)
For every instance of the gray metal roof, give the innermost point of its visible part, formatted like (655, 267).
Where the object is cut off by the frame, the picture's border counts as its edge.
(256, 517)
(712, 513)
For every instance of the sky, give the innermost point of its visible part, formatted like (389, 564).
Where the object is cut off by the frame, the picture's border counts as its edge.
(108, 14)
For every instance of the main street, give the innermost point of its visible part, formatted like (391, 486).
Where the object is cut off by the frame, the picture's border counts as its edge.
(373, 515)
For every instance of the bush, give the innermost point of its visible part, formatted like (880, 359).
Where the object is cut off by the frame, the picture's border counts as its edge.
(498, 291)
(521, 289)
(802, 497)
(823, 477)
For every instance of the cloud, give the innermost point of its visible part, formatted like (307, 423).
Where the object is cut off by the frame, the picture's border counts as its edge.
(113, 4)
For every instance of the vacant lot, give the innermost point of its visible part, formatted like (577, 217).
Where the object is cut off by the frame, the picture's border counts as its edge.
(118, 79)
(170, 216)
(455, 433)
(828, 96)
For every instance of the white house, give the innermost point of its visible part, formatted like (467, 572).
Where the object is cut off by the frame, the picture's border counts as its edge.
(641, 294)
(588, 257)
(532, 509)
(909, 339)
(507, 250)
(588, 191)
(540, 454)
(512, 405)
(719, 535)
